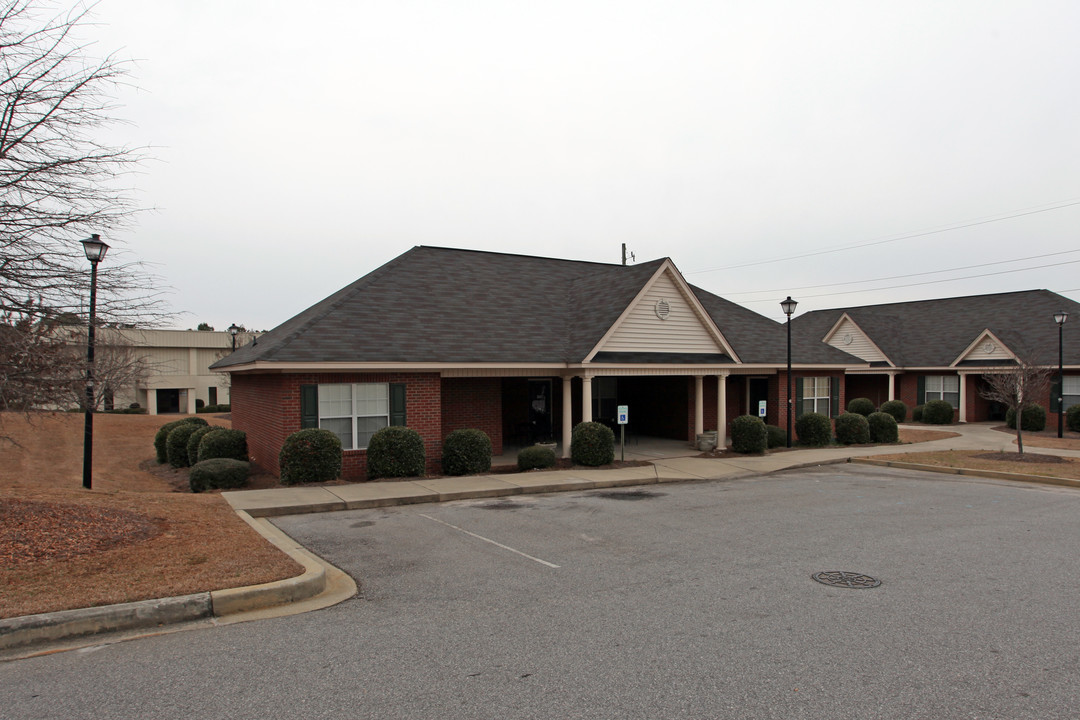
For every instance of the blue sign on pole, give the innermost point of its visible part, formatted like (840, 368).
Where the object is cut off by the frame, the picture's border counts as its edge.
(623, 414)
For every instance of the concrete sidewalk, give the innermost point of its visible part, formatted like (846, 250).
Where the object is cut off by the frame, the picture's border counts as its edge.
(322, 584)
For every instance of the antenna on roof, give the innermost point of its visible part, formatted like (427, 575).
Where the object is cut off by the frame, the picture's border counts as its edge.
(632, 258)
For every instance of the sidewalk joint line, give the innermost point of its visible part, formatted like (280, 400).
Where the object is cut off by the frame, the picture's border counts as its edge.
(489, 540)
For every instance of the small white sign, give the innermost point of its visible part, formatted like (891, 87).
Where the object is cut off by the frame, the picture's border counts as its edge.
(761, 408)
(623, 414)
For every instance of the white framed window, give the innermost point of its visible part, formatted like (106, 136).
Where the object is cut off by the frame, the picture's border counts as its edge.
(817, 395)
(943, 387)
(1070, 391)
(354, 412)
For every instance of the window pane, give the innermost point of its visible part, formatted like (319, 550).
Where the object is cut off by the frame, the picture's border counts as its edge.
(950, 383)
(933, 385)
(373, 399)
(953, 399)
(342, 427)
(366, 427)
(1071, 384)
(335, 400)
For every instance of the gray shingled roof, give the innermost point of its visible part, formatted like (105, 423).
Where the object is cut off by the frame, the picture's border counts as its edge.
(446, 305)
(933, 333)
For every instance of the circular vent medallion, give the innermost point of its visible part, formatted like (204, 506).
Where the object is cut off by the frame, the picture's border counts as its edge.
(663, 309)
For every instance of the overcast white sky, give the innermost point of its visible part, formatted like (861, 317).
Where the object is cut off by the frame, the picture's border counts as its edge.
(301, 145)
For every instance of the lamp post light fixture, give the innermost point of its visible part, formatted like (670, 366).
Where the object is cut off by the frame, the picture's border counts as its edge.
(788, 306)
(1060, 319)
(95, 251)
(233, 330)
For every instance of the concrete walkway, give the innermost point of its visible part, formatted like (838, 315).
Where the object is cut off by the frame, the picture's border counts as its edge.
(322, 584)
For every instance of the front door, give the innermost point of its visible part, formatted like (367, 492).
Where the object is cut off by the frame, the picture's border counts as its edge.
(540, 411)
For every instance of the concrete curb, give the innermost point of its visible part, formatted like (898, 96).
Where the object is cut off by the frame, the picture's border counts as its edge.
(31, 630)
(993, 474)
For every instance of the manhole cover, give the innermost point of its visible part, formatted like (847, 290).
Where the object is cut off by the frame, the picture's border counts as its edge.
(840, 578)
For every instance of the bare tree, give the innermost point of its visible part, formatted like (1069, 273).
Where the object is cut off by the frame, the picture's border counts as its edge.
(1015, 387)
(58, 185)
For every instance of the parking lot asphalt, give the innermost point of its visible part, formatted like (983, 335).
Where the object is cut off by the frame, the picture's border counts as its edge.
(666, 601)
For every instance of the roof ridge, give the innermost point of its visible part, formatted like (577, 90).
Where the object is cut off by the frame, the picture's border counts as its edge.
(533, 257)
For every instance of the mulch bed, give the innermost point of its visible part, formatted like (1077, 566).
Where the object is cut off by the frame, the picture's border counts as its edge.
(1022, 457)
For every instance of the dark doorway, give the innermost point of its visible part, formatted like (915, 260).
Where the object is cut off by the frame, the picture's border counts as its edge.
(758, 391)
(540, 411)
(168, 401)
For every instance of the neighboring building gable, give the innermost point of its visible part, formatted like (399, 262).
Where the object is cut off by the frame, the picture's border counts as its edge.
(664, 318)
(849, 337)
(987, 348)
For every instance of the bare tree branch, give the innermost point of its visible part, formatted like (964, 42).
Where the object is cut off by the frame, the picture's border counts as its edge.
(1015, 387)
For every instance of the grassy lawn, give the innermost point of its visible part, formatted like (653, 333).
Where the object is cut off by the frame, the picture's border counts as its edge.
(137, 535)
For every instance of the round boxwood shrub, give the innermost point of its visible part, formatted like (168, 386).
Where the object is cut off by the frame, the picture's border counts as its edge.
(535, 458)
(193, 442)
(592, 443)
(852, 429)
(218, 473)
(176, 444)
(862, 406)
(896, 408)
(777, 436)
(883, 428)
(749, 434)
(161, 437)
(224, 443)
(1072, 418)
(395, 451)
(916, 413)
(466, 452)
(937, 412)
(813, 430)
(1032, 418)
(310, 455)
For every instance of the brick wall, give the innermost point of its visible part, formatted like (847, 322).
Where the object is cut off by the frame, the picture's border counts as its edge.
(267, 408)
(473, 403)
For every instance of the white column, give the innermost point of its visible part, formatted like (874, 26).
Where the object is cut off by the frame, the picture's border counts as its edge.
(721, 410)
(586, 398)
(699, 406)
(567, 415)
(892, 386)
(151, 401)
(963, 397)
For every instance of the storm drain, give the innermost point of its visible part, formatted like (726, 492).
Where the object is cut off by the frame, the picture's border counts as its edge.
(840, 578)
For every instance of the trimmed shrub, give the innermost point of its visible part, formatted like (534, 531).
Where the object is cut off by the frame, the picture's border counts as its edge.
(199, 403)
(395, 451)
(218, 473)
(1072, 418)
(193, 442)
(310, 455)
(592, 443)
(852, 429)
(916, 413)
(176, 444)
(466, 452)
(813, 430)
(883, 428)
(749, 434)
(1032, 418)
(862, 406)
(896, 408)
(937, 412)
(535, 458)
(777, 436)
(161, 437)
(224, 443)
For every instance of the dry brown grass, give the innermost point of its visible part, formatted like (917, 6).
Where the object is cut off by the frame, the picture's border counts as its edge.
(917, 436)
(160, 543)
(1058, 467)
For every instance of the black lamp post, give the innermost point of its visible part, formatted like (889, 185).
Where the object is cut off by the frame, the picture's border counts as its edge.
(1060, 319)
(95, 252)
(789, 307)
(233, 329)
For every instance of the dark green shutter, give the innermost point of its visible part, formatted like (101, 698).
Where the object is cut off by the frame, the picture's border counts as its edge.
(798, 397)
(1055, 393)
(397, 403)
(309, 406)
(834, 401)
(920, 391)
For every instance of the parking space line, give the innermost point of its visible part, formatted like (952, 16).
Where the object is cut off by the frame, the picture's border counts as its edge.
(489, 540)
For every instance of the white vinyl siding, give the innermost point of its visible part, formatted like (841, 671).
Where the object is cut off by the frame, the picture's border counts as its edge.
(1070, 391)
(849, 338)
(943, 387)
(354, 412)
(643, 331)
(817, 395)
